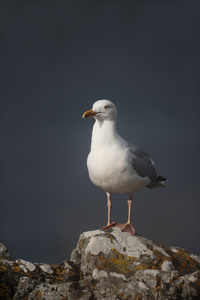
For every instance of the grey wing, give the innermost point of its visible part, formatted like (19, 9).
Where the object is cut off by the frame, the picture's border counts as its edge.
(142, 163)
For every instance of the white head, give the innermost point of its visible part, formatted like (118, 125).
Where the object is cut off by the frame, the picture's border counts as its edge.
(102, 110)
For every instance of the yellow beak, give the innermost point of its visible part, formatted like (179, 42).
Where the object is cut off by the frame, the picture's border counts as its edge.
(89, 113)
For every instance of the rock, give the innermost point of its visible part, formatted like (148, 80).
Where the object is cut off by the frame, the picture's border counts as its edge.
(132, 267)
(106, 264)
(20, 279)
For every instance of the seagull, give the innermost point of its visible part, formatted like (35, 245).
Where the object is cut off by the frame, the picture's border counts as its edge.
(114, 165)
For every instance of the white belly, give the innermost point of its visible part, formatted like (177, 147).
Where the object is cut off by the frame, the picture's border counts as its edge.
(111, 171)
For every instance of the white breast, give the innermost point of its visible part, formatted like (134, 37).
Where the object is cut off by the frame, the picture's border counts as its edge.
(110, 169)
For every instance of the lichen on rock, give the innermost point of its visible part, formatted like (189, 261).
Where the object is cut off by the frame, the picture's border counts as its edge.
(106, 264)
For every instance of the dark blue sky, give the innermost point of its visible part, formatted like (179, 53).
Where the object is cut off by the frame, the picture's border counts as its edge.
(57, 58)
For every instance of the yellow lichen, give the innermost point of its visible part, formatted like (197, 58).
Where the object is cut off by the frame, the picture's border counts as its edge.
(138, 267)
(4, 291)
(57, 278)
(59, 273)
(160, 258)
(111, 238)
(39, 294)
(138, 296)
(16, 269)
(3, 268)
(122, 263)
(187, 259)
(184, 263)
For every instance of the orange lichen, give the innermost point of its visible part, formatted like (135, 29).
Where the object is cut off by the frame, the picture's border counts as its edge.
(111, 238)
(183, 262)
(120, 262)
(160, 259)
(138, 267)
(103, 263)
(39, 294)
(3, 268)
(159, 286)
(138, 296)
(113, 293)
(59, 273)
(16, 269)
(4, 292)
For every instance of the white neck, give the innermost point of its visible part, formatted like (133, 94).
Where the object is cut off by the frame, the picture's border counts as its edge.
(104, 132)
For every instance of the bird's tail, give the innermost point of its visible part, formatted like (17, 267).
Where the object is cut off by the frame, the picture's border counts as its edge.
(159, 182)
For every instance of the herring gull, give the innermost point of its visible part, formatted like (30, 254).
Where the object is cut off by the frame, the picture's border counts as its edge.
(115, 165)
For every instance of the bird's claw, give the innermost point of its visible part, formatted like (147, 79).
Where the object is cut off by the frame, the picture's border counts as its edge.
(109, 225)
(126, 228)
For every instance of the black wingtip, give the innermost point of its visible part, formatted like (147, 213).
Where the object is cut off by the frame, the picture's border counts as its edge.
(161, 178)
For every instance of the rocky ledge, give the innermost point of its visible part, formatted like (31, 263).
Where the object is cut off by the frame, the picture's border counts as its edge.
(106, 264)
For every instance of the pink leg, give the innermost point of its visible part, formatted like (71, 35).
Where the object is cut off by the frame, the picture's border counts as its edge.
(128, 227)
(109, 204)
(129, 210)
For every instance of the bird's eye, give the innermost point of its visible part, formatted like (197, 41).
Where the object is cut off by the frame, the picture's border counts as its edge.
(106, 107)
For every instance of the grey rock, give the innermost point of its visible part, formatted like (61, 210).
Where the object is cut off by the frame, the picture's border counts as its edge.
(106, 264)
(4, 253)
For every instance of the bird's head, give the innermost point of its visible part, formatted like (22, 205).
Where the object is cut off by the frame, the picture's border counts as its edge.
(102, 110)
